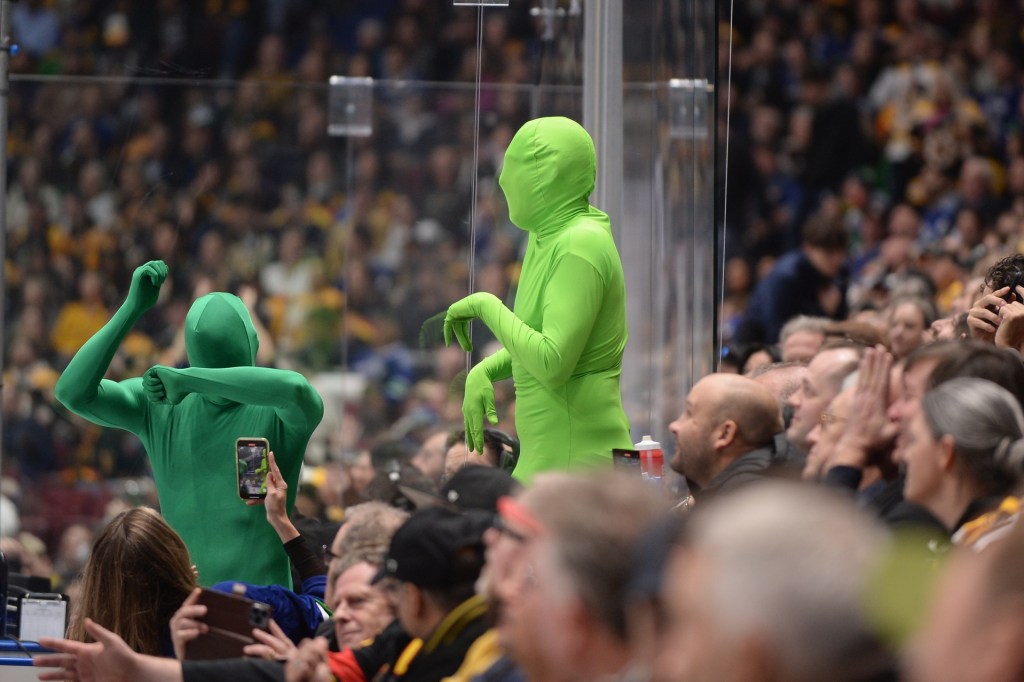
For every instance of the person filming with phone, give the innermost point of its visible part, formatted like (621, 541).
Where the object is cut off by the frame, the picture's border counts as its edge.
(296, 614)
(189, 419)
(997, 316)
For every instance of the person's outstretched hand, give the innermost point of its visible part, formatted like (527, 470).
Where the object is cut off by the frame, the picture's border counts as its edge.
(145, 287)
(187, 623)
(478, 403)
(159, 386)
(108, 658)
(458, 317)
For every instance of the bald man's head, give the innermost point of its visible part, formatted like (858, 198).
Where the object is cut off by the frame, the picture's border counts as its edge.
(725, 417)
(753, 407)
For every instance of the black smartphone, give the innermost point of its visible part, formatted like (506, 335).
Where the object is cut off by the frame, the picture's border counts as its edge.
(230, 619)
(1012, 294)
(628, 460)
(252, 464)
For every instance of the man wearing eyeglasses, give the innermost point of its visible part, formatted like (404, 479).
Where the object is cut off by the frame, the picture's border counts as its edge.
(823, 381)
(826, 434)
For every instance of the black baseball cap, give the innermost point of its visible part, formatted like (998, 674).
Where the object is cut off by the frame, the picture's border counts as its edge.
(427, 548)
(471, 487)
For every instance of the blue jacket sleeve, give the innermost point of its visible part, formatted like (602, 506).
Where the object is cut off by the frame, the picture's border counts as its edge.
(297, 614)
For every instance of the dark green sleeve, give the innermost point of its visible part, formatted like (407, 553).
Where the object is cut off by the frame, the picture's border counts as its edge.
(83, 390)
(290, 394)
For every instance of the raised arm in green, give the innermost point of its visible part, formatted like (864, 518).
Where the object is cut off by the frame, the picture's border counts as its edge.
(563, 342)
(188, 420)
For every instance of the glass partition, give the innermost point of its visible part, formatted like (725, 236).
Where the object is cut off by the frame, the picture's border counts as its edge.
(669, 243)
(346, 249)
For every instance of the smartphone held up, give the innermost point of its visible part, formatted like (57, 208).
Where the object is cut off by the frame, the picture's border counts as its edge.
(230, 620)
(253, 465)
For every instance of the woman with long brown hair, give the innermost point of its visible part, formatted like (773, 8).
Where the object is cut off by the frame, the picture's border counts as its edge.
(138, 574)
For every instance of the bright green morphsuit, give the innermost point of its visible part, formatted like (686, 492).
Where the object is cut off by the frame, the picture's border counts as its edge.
(188, 420)
(563, 342)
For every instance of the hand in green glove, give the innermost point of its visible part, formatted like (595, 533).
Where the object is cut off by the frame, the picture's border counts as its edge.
(160, 386)
(478, 402)
(145, 288)
(456, 321)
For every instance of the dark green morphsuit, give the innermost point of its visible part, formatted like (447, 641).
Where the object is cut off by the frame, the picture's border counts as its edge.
(188, 420)
(564, 340)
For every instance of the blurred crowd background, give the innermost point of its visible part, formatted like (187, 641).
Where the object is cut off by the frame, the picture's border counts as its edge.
(899, 121)
(196, 133)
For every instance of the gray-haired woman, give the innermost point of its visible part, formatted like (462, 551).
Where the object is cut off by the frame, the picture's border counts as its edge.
(964, 457)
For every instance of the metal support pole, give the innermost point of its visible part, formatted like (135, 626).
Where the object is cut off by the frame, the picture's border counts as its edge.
(5, 60)
(602, 100)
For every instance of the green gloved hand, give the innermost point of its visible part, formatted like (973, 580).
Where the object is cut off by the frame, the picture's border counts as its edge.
(477, 403)
(160, 385)
(456, 321)
(145, 287)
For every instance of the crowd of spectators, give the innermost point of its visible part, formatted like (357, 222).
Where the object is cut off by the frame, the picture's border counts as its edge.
(875, 203)
(200, 137)
(896, 123)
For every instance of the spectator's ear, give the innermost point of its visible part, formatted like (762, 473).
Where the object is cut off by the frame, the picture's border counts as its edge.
(415, 599)
(724, 434)
(947, 455)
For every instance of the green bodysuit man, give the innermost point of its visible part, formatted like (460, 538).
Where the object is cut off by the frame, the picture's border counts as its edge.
(563, 342)
(188, 420)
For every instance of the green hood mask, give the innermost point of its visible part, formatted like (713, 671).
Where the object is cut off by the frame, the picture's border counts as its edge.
(564, 339)
(219, 333)
(549, 172)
